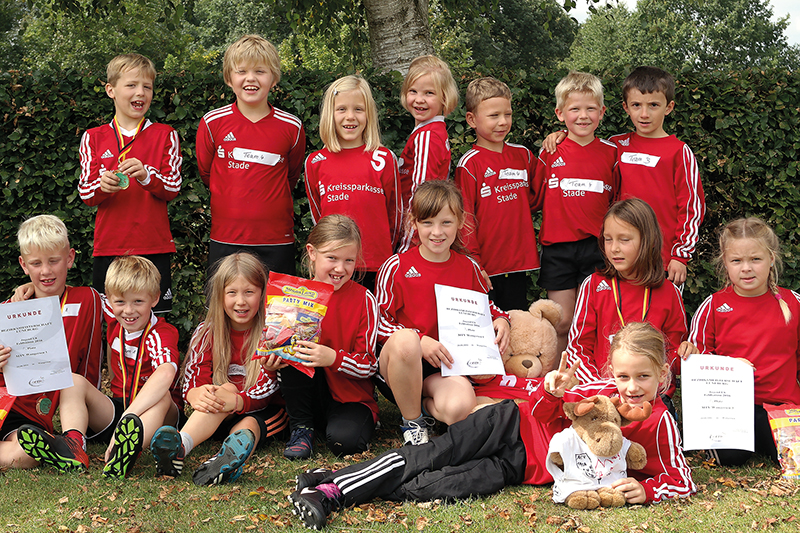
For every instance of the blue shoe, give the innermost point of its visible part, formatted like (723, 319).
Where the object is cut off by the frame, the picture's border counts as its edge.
(227, 464)
(168, 451)
(300, 445)
(128, 437)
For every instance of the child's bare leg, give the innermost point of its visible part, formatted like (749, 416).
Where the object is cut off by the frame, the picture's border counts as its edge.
(13, 456)
(401, 366)
(82, 406)
(163, 412)
(566, 299)
(448, 399)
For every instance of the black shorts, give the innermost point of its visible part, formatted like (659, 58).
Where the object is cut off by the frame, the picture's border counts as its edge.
(566, 264)
(13, 422)
(277, 257)
(104, 435)
(272, 422)
(163, 263)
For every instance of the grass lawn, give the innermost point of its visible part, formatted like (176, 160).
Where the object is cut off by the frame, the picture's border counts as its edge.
(752, 498)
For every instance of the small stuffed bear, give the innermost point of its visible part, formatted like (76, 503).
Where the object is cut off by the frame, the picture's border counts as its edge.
(587, 458)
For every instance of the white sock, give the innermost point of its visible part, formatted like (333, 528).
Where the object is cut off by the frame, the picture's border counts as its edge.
(188, 442)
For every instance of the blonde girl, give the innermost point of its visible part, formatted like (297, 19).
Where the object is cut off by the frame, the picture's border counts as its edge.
(755, 320)
(354, 174)
(429, 93)
(229, 391)
(412, 355)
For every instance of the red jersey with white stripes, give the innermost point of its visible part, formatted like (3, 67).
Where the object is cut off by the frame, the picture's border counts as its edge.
(350, 328)
(575, 187)
(425, 157)
(364, 186)
(663, 172)
(406, 296)
(133, 220)
(496, 187)
(597, 320)
(251, 169)
(199, 371)
(754, 329)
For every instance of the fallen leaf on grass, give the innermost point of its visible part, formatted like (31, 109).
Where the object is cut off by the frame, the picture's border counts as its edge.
(65, 499)
(421, 523)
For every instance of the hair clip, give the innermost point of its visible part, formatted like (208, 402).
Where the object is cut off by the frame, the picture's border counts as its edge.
(778, 296)
(335, 92)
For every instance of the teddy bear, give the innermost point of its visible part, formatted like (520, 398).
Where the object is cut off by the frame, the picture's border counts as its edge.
(533, 352)
(588, 457)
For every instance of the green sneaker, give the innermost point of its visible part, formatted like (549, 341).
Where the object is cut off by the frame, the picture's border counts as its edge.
(63, 454)
(128, 437)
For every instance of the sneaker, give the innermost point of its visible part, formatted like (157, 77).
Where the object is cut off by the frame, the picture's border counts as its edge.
(64, 454)
(128, 436)
(227, 464)
(311, 478)
(168, 451)
(313, 505)
(300, 445)
(415, 434)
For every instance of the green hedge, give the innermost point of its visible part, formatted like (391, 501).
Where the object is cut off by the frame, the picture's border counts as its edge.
(742, 126)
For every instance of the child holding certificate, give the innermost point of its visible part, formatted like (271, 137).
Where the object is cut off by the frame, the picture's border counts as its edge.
(755, 320)
(412, 356)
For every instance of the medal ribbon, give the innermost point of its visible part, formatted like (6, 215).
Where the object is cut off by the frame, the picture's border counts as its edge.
(123, 147)
(64, 300)
(137, 363)
(618, 300)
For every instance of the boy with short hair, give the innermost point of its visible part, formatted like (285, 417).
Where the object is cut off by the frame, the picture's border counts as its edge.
(575, 187)
(494, 178)
(130, 169)
(45, 256)
(144, 359)
(250, 155)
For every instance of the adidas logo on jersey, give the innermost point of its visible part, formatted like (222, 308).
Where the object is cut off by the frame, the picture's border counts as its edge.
(624, 142)
(489, 172)
(318, 158)
(106, 154)
(724, 308)
(167, 295)
(558, 163)
(603, 286)
(412, 273)
(229, 137)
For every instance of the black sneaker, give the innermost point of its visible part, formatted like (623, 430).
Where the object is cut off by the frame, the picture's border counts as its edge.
(128, 437)
(300, 445)
(314, 505)
(62, 453)
(168, 451)
(227, 464)
(311, 478)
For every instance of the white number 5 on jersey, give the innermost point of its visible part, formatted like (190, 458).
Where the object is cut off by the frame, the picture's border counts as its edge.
(379, 160)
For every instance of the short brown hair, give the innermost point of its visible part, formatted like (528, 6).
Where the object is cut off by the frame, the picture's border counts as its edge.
(484, 88)
(125, 62)
(132, 273)
(251, 50)
(442, 80)
(648, 268)
(649, 80)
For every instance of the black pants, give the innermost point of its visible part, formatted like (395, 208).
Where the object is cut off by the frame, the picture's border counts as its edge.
(510, 291)
(765, 444)
(278, 257)
(476, 456)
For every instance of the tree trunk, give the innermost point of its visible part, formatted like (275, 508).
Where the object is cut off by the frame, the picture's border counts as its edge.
(398, 32)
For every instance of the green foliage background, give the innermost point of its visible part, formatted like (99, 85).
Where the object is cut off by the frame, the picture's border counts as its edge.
(744, 128)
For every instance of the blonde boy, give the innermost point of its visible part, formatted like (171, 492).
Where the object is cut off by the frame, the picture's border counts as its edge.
(250, 155)
(45, 256)
(143, 382)
(575, 187)
(494, 178)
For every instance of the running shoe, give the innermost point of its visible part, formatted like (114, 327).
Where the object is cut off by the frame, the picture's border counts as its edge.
(168, 451)
(314, 505)
(415, 434)
(227, 464)
(300, 445)
(128, 437)
(62, 453)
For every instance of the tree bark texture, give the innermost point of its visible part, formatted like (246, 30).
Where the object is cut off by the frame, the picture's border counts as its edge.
(398, 32)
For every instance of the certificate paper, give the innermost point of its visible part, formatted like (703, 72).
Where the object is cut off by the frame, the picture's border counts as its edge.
(717, 396)
(465, 329)
(39, 359)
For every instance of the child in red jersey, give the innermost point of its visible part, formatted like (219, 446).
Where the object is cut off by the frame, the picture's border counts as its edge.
(631, 288)
(144, 362)
(429, 93)
(229, 391)
(755, 320)
(341, 396)
(495, 179)
(250, 155)
(130, 169)
(354, 175)
(45, 256)
(575, 187)
(412, 356)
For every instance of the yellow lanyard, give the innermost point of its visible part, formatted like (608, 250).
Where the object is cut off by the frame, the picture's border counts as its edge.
(123, 147)
(618, 300)
(137, 363)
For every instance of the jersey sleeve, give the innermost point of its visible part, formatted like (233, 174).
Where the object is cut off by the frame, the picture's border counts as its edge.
(479, 285)
(539, 181)
(165, 181)
(388, 301)
(691, 206)
(674, 329)
(312, 188)
(583, 335)
(199, 369)
(468, 184)
(204, 148)
(702, 334)
(390, 178)
(675, 480)
(296, 157)
(361, 363)
(89, 181)
(259, 395)
(162, 347)
(90, 363)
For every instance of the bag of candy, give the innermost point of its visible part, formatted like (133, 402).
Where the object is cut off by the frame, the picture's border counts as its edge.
(295, 308)
(785, 423)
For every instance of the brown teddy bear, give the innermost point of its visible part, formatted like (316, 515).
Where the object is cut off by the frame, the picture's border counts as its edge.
(587, 458)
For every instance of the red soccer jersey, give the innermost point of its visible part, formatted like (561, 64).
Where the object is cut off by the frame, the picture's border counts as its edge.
(498, 201)
(575, 187)
(425, 157)
(251, 169)
(754, 328)
(364, 186)
(133, 220)
(350, 327)
(406, 296)
(82, 313)
(663, 172)
(200, 371)
(597, 320)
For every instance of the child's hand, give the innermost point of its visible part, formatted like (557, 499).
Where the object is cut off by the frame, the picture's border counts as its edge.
(273, 363)
(133, 168)
(632, 489)
(229, 396)
(435, 353)
(686, 349)
(676, 272)
(556, 382)
(503, 330)
(314, 354)
(205, 400)
(109, 183)
(23, 292)
(750, 363)
(5, 355)
(551, 142)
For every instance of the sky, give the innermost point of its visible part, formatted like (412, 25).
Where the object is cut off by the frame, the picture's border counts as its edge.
(780, 8)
